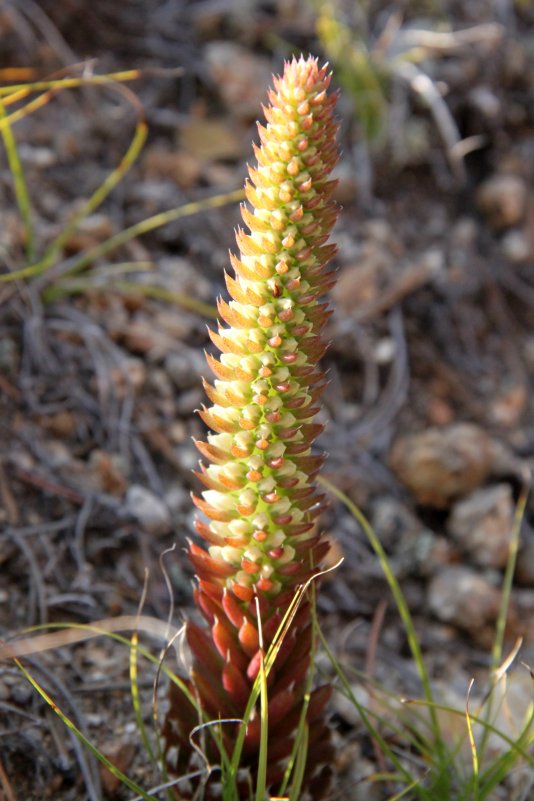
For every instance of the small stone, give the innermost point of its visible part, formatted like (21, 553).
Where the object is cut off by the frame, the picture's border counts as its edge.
(511, 707)
(181, 275)
(516, 246)
(61, 424)
(482, 524)
(357, 285)
(36, 156)
(109, 472)
(187, 456)
(486, 101)
(463, 233)
(176, 325)
(384, 350)
(347, 187)
(211, 139)
(345, 708)
(129, 376)
(179, 166)
(97, 225)
(154, 338)
(187, 402)
(239, 75)
(507, 407)
(155, 195)
(177, 499)
(502, 198)
(149, 510)
(57, 453)
(93, 718)
(138, 336)
(121, 755)
(443, 463)
(177, 432)
(159, 382)
(185, 367)
(8, 355)
(21, 694)
(460, 596)
(90, 232)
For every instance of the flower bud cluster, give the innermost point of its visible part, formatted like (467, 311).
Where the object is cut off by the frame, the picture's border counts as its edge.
(260, 495)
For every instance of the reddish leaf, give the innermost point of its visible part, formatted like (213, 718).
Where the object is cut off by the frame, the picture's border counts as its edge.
(248, 637)
(236, 685)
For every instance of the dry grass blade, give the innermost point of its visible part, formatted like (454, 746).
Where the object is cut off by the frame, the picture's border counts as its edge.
(6, 789)
(16, 649)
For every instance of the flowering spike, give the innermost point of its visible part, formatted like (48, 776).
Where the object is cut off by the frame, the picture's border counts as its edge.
(260, 498)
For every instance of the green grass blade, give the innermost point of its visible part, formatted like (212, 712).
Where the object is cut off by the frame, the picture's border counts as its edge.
(136, 702)
(300, 764)
(499, 769)
(357, 70)
(268, 664)
(98, 197)
(365, 717)
(294, 771)
(261, 780)
(150, 224)
(178, 298)
(500, 627)
(405, 790)
(19, 182)
(394, 586)
(256, 688)
(106, 277)
(91, 205)
(129, 783)
(126, 235)
(473, 746)
(515, 745)
(71, 633)
(21, 90)
(496, 654)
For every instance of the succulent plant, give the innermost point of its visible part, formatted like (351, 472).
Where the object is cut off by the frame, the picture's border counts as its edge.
(261, 501)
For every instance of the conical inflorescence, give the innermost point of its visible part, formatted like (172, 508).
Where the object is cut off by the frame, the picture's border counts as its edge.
(260, 500)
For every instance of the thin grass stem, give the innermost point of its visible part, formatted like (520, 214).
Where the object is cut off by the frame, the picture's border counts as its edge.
(498, 644)
(294, 770)
(366, 720)
(19, 182)
(136, 702)
(17, 92)
(508, 579)
(179, 298)
(97, 198)
(261, 778)
(396, 591)
(150, 224)
(83, 739)
(300, 764)
(127, 234)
